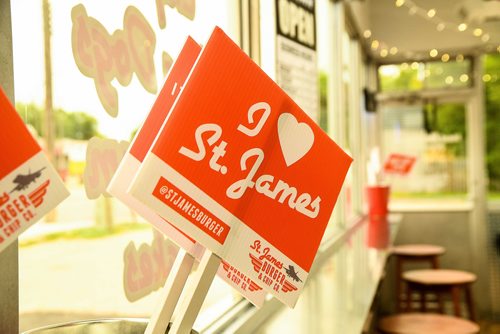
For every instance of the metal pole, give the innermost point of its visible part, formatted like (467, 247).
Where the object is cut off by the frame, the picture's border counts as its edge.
(9, 273)
(49, 117)
(49, 114)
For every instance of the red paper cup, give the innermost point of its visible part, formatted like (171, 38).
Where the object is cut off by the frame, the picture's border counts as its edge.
(378, 199)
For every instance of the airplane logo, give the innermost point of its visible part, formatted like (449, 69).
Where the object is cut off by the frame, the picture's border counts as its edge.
(290, 271)
(23, 181)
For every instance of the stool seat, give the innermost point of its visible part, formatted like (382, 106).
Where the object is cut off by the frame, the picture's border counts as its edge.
(441, 281)
(417, 250)
(439, 277)
(426, 323)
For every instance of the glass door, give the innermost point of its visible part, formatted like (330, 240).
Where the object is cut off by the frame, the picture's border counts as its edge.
(424, 151)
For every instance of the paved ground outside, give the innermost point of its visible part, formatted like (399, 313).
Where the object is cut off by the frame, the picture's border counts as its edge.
(83, 279)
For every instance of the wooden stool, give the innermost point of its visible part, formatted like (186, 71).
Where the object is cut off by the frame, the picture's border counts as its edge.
(413, 253)
(441, 281)
(414, 323)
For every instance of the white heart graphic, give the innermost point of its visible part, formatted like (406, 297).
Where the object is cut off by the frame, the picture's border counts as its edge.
(296, 139)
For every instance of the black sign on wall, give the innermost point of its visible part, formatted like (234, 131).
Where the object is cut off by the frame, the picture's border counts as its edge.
(296, 20)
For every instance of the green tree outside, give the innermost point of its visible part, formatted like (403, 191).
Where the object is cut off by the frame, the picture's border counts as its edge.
(73, 125)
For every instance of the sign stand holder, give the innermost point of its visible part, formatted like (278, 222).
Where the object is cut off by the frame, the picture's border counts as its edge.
(171, 292)
(196, 293)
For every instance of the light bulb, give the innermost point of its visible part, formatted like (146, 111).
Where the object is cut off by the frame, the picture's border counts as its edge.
(400, 3)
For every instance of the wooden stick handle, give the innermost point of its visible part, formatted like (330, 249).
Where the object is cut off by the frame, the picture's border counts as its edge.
(171, 292)
(196, 293)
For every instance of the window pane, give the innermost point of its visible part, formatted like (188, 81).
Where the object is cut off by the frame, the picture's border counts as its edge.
(433, 134)
(453, 74)
(400, 78)
(94, 258)
(492, 99)
(430, 75)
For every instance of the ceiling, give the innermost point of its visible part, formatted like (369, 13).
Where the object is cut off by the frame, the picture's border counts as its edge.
(409, 28)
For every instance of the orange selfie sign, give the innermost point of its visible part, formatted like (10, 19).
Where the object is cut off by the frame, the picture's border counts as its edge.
(29, 185)
(239, 167)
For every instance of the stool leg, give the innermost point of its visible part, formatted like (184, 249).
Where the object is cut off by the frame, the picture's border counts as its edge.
(435, 262)
(455, 295)
(439, 297)
(470, 303)
(423, 306)
(399, 284)
(408, 297)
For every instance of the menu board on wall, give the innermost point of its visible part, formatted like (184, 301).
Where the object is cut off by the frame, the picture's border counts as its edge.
(29, 185)
(296, 60)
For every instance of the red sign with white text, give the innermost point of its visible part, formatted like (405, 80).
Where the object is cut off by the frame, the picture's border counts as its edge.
(398, 163)
(29, 185)
(237, 148)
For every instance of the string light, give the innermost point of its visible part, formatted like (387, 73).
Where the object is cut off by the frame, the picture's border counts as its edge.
(449, 80)
(464, 78)
(486, 78)
(429, 14)
(414, 65)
